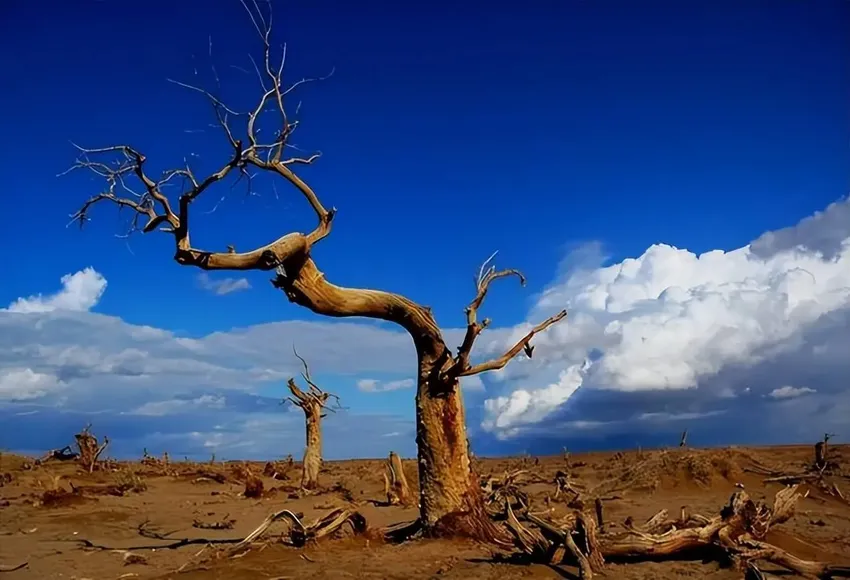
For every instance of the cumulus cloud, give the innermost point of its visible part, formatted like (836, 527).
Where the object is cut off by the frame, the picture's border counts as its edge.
(652, 342)
(80, 292)
(25, 384)
(222, 286)
(671, 320)
(789, 392)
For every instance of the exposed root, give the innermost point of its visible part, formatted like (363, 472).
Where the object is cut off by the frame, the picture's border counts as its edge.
(739, 532)
(5, 568)
(298, 534)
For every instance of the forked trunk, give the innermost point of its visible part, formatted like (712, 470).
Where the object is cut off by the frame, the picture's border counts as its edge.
(313, 452)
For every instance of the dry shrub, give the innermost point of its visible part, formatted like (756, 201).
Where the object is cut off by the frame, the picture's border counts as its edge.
(128, 481)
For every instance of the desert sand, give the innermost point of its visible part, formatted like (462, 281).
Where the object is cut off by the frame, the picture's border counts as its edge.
(59, 521)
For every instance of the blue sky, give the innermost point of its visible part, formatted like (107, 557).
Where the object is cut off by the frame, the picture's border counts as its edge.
(569, 136)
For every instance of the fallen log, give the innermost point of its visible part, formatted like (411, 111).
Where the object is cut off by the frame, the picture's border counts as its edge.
(738, 534)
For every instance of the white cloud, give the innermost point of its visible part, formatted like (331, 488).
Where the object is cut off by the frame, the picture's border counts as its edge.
(25, 384)
(80, 292)
(376, 386)
(665, 332)
(172, 406)
(789, 392)
(472, 384)
(671, 319)
(223, 286)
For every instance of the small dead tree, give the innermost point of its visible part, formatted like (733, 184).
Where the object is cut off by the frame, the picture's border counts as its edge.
(450, 499)
(90, 450)
(395, 482)
(821, 451)
(312, 402)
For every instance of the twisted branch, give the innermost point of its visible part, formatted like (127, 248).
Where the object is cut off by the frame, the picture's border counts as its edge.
(487, 274)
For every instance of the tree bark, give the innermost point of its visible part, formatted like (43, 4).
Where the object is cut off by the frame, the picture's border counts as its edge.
(397, 489)
(446, 484)
(312, 463)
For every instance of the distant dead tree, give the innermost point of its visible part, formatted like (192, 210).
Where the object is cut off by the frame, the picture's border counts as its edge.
(312, 402)
(450, 499)
(90, 449)
(821, 450)
(395, 482)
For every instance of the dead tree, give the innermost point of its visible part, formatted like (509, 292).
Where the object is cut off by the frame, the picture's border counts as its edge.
(312, 402)
(450, 500)
(90, 450)
(395, 482)
(821, 450)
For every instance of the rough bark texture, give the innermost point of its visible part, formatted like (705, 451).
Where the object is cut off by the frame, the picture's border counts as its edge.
(313, 402)
(446, 482)
(312, 463)
(449, 493)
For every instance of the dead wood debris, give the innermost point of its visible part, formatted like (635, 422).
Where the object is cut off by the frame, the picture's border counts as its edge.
(12, 568)
(738, 534)
(298, 534)
(223, 524)
(279, 469)
(254, 487)
(819, 475)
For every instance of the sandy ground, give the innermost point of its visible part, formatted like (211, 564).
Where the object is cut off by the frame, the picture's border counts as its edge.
(43, 527)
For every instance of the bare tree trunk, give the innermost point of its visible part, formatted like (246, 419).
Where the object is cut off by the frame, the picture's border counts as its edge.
(450, 498)
(397, 490)
(312, 463)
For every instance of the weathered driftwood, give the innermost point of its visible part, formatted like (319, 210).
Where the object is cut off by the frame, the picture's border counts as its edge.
(739, 532)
